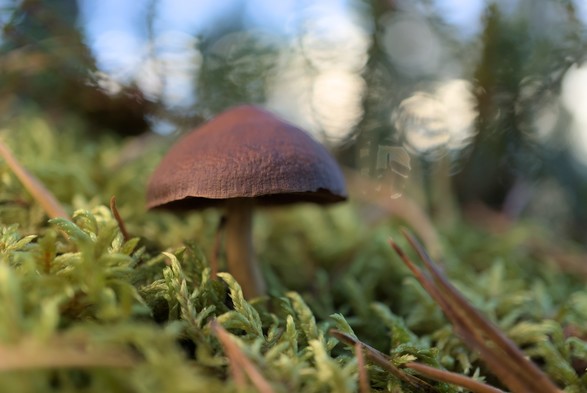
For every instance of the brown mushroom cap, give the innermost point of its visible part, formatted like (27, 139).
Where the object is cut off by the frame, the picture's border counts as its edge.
(245, 152)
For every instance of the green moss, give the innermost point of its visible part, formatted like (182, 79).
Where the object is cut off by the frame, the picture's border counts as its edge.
(102, 313)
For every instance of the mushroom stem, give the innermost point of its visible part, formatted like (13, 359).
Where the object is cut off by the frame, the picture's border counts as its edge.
(240, 256)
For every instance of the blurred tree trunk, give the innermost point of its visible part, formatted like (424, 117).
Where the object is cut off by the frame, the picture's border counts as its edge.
(490, 171)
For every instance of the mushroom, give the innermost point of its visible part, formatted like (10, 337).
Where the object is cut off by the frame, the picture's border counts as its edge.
(243, 158)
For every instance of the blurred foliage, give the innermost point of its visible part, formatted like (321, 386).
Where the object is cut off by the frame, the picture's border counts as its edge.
(47, 66)
(239, 62)
(514, 67)
(515, 55)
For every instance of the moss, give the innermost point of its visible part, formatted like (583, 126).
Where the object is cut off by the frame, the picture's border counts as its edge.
(83, 309)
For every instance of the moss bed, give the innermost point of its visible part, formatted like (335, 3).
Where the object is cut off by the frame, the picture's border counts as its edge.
(82, 309)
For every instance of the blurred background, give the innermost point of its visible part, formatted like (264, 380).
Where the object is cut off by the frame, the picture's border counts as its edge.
(474, 109)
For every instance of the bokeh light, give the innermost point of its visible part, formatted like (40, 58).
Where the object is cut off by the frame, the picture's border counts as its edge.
(431, 124)
(319, 85)
(337, 100)
(574, 97)
(411, 45)
(538, 110)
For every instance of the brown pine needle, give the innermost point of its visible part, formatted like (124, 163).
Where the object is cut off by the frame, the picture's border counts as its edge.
(502, 356)
(118, 218)
(452, 378)
(232, 353)
(491, 330)
(382, 360)
(39, 192)
(516, 368)
(363, 375)
(239, 363)
(29, 355)
(427, 371)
